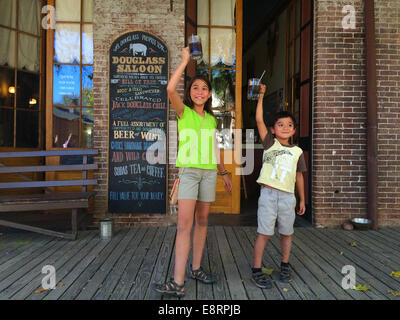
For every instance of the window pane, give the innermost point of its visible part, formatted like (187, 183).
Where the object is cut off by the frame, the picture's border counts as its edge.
(66, 85)
(203, 72)
(27, 129)
(6, 81)
(66, 127)
(67, 43)
(87, 44)
(7, 48)
(28, 53)
(202, 12)
(68, 10)
(8, 11)
(223, 47)
(28, 90)
(223, 12)
(88, 10)
(204, 35)
(6, 128)
(29, 16)
(87, 86)
(87, 128)
(223, 84)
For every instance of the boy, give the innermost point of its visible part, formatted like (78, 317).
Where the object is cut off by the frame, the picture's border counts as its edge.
(282, 169)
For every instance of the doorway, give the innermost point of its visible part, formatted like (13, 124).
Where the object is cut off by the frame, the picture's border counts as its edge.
(277, 38)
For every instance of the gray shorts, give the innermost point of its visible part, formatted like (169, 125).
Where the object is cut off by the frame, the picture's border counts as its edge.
(276, 205)
(197, 184)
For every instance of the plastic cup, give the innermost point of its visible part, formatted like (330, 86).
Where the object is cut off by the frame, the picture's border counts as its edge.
(196, 51)
(253, 90)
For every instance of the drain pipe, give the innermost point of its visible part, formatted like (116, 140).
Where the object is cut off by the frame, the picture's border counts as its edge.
(369, 23)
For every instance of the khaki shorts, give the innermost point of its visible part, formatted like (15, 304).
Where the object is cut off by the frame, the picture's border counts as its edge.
(276, 205)
(197, 184)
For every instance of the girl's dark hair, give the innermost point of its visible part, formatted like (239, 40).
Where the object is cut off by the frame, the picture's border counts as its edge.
(187, 100)
(280, 115)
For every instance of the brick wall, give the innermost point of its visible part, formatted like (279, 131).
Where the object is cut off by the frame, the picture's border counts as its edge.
(339, 114)
(112, 18)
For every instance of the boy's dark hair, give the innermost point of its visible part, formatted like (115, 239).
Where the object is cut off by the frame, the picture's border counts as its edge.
(280, 115)
(188, 101)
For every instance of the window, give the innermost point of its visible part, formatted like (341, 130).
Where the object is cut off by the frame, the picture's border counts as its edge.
(72, 103)
(20, 73)
(215, 22)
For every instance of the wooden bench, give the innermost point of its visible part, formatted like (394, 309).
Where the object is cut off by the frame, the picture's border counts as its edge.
(47, 199)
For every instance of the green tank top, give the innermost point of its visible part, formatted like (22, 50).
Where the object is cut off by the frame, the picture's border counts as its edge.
(203, 154)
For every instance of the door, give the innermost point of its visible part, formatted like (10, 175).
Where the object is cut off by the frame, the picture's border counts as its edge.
(299, 81)
(219, 24)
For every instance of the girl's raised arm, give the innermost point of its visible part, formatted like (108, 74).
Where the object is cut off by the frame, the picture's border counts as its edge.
(173, 95)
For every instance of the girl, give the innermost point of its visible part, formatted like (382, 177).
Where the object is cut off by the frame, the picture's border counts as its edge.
(198, 157)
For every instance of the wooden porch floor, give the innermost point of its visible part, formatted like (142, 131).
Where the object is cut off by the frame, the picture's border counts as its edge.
(125, 266)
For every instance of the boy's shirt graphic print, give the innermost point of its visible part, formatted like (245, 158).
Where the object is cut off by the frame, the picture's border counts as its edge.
(280, 166)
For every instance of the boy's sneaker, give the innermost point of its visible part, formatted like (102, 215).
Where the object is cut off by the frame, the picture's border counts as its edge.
(284, 275)
(261, 280)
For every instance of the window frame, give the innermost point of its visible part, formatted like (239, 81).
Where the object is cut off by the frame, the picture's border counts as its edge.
(49, 80)
(15, 108)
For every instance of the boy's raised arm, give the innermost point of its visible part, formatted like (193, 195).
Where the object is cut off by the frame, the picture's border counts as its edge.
(262, 128)
(173, 95)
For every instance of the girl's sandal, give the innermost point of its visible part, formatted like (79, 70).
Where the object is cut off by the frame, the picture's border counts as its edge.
(170, 287)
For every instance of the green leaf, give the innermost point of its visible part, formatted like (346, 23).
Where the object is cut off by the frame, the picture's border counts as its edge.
(353, 244)
(21, 243)
(395, 274)
(394, 293)
(362, 287)
(267, 271)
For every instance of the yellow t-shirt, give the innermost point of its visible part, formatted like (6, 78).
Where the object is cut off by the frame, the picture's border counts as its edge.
(280, 164)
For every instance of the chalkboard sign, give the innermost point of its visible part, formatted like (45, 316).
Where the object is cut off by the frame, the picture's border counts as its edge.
(137, 174)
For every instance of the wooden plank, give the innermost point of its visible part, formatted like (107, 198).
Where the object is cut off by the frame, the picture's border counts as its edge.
(29, 198)
(113, 277)
(248, 249)
(367, 271)
(47, 183)
(48, 153)
(299, 270)
(96, 280)
(19, 255)
(10, 244)
(162, 263)
(84, 277)
(331, 260)
(377, 249)
(220, 288)
(121, 291)
(74, 259)
(331, 279)
(244, 267)
(19, 270)
(296, 289)
(142, 281)
(237, 291)
(22, 289)
(48, 168)
(48, 232)
(79, 267)
(377, 261)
